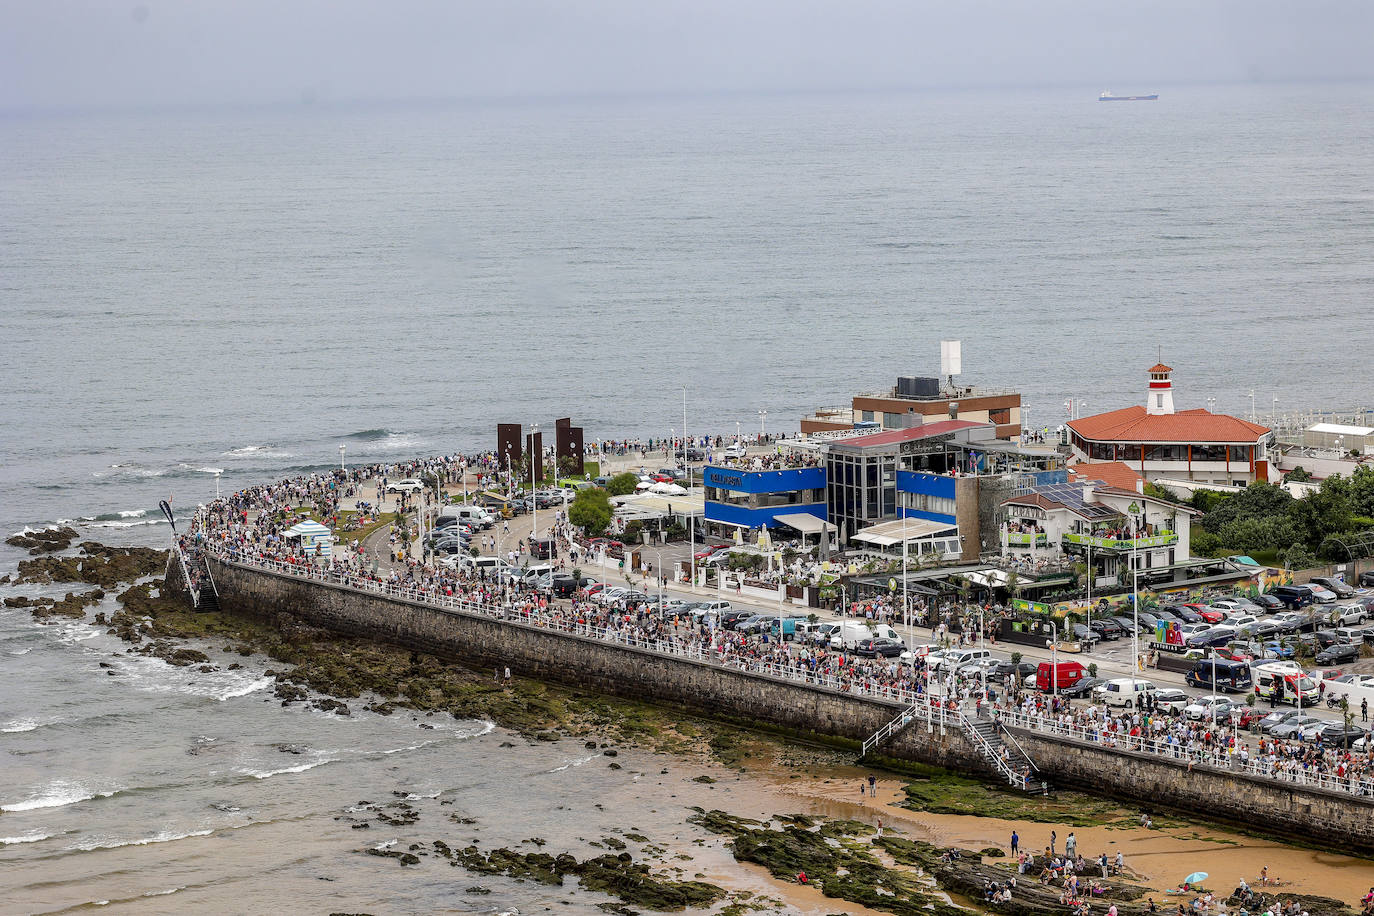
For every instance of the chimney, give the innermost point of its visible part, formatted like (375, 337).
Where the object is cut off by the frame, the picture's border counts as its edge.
(1088, 493)
(954, 410)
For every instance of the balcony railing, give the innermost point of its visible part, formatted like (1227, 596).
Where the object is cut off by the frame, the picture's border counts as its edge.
(1163, 539)
(1018, 539)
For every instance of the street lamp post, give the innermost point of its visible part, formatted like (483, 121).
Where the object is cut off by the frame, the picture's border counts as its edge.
(341, 460)
(217, 473)
(1054, 661)
(534, 502)
(763, 415)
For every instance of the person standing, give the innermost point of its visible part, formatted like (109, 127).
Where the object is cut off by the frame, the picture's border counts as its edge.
(872, 785)
(1364, 710)
(1015, 843)
(1070, 844)
(1054, 837)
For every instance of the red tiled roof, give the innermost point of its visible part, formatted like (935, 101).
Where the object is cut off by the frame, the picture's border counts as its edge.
(1116, 474)
(1159, 367)
(1133, 424)
(894, 436)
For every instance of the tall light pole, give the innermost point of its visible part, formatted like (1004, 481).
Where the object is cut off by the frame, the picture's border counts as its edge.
(906, 619)
(763, 415)
(1135, 595)
(686, 466)
(341, 463)
(217, 473)
(534, 502)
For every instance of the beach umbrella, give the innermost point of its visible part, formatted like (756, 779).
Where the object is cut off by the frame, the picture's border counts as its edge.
(643, 485)
(1196, 877)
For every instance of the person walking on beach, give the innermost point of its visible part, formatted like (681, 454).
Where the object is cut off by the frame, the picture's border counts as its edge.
(1054, 837)
(1070, 844)
(872, 785)
(1015, 842)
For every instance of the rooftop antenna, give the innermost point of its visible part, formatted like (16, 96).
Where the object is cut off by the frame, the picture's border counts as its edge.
(951, 360)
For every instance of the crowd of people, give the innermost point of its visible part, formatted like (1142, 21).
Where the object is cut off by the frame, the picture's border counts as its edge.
(249, 526)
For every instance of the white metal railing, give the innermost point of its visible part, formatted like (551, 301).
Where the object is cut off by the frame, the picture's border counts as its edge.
(1217, 757)
(186, 577)
(935, 708)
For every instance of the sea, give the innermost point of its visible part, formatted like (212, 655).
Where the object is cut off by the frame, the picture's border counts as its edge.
(201, 298)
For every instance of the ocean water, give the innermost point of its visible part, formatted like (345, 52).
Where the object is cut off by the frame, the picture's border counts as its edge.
(246, 290)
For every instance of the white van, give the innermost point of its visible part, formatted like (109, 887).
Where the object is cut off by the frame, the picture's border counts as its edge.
(954, 659)
(714, 607)
(852, 632)
(472, 516)
(492, 566)
(1123, 691)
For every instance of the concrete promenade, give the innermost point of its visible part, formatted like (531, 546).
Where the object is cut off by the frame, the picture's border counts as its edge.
(1326, 814)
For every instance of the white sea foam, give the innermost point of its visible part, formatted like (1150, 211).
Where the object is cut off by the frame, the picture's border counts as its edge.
(22, 651)
(575, 762)
(137, 524)
(267, 774)
(133, 513)
(56, 795)
(21, 725)
(242, 690)
(26, 838)
(166, 836)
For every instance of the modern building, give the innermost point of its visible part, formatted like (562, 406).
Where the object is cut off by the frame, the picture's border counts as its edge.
(739, 498)
(1158, 441)
(1358, 439)
(1113, 529)
(921, 400)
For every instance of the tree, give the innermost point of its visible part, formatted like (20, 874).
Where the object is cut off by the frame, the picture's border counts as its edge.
(591, 510)
(1298, 474)
(622, 484)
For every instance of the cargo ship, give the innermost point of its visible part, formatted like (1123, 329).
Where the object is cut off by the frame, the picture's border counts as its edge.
(1108, 97)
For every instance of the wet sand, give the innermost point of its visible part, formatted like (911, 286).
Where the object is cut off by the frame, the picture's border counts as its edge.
(1158, 858)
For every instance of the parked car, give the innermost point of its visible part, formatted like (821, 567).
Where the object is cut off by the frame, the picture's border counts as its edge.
(1366, 579)
(1334, 585)
(1083, 688)
(1127, 625)
(1268, 603)
(1338, 654)
(1347, 615)
(880, 646)
(1323, 594)
(1005, 671)
(1208, 708)
(1123, 691)
(1294, 596)
(405, 485)
(1275, 719)
(1214, 614)
(1106, 628)
(1171, 699)
(1291, 727)
(1325, 639)
(1337, 734)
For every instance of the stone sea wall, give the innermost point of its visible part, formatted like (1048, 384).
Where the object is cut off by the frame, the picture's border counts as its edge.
(1330, 818)
(752, 699)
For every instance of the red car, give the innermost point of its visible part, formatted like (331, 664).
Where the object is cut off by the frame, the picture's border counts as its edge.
(1209, 614)
(594, 588)
(706, 552)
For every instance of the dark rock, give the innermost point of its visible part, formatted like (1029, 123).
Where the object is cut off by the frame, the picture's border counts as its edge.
(46, 541)
(611, 752)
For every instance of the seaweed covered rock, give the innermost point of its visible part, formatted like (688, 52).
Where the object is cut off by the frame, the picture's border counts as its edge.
(48, 540)
(97, 564)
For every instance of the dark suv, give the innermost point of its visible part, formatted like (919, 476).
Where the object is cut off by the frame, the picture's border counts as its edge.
(1293, 596)
(1106, 628)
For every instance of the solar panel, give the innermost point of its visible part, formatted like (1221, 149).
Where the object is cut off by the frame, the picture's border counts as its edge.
(1071, 495)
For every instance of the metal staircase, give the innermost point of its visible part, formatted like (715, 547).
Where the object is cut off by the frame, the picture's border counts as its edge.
(1010, 761)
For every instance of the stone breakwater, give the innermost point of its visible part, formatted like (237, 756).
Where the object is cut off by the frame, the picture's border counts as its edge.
(1332, 819)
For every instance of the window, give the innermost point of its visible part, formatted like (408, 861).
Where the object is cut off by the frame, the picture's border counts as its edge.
(892, 421)
(866, 416)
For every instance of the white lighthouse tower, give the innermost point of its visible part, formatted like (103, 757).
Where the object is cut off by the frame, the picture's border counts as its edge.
(1159, 400)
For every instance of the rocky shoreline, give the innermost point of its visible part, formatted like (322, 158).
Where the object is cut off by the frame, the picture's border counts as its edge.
(844, 859)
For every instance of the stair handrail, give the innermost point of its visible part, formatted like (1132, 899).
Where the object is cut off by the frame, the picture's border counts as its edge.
(1007, 770)
(186, 578)
(1006, 733)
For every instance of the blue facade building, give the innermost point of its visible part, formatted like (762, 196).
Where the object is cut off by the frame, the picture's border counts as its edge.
(927, 496)
(755, 499)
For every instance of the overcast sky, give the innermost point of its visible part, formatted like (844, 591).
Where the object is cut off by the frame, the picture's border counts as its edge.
(61, 53)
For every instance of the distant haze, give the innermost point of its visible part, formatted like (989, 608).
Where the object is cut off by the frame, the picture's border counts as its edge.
(66, 53)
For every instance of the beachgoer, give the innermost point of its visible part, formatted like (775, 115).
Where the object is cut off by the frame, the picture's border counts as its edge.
(873, 785)
(1015, 842)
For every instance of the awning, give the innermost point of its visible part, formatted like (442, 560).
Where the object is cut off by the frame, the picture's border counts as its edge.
(805, 522)
(307, 528)
(991, 578)
(912, 529)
